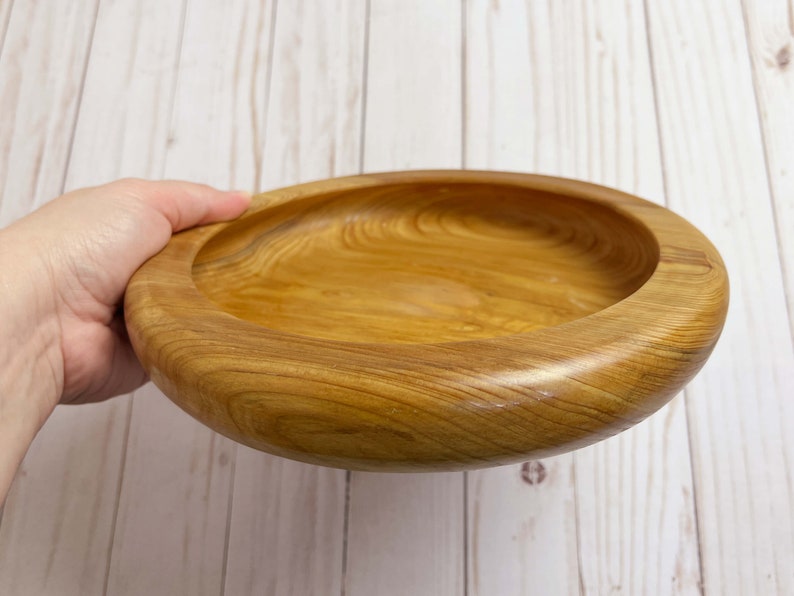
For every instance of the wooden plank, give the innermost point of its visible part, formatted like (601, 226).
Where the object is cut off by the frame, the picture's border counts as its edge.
(56, 522)
(170, 531)
(406, 532)
(173, 508)
(618, 515)
(286, 530)
(522, 529)
(636, 510)
(122, 127)
(739, 407)
(314, 114)
(40, 93)
(413, 104)
(770, 34)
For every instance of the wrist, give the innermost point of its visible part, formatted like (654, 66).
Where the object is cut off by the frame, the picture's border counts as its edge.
(31, 370)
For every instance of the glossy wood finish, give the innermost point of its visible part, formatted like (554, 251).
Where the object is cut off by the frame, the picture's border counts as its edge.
(424, 263)
(429, 320)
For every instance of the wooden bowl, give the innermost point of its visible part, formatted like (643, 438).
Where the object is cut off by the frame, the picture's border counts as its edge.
(429, 320)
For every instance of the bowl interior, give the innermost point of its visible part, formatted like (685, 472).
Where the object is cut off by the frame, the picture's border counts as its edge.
(425, 263)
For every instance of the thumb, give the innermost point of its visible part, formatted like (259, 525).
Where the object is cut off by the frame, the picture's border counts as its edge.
(184, 204)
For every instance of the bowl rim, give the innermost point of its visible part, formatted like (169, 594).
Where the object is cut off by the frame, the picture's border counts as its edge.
(676, 316)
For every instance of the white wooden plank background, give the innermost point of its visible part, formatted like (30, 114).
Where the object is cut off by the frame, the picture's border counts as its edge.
(740, 411)
(686, 103)
(770, 35)
(619, 516)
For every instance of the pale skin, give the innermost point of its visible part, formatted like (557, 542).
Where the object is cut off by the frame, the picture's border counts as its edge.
(63, 272)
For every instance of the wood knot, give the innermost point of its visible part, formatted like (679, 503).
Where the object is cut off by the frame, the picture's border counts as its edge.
(533, 472)
(783, 57)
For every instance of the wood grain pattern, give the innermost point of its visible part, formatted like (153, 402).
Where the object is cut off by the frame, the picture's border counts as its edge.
(539, 261)
(712, 147)
(467, 402)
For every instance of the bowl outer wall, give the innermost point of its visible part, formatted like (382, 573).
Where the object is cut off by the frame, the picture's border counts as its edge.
(446, 406)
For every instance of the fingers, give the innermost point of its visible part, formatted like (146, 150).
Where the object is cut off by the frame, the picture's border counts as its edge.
(124, 375)
(111, 370)
(183, 204)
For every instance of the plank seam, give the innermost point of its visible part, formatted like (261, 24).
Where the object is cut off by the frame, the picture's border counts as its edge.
(577, 528)
(175, 82)
(260, 167)
(465, 533)
(364, 88)
(361, 145)
(464, 20)
(119, 484)
(229, 509)
(346, 525)
(86, 63)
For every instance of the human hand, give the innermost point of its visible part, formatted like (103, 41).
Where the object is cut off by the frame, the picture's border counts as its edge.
(63, 272)
(73, 259)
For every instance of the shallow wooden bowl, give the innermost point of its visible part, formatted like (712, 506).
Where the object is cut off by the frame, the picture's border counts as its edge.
(429, 320)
